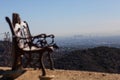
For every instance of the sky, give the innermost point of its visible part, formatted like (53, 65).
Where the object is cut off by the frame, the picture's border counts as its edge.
(65, 17)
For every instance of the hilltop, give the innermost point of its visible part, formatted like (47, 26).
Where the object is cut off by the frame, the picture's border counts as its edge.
(67, 75)
(99, 63)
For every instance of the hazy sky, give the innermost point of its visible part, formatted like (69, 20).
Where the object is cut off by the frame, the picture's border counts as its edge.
(65, 17)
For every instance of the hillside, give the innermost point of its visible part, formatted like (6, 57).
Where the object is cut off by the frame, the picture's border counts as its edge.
(99, 63)
(99, 59)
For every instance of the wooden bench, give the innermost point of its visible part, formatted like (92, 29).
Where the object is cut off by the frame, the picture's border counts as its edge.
(24, 43)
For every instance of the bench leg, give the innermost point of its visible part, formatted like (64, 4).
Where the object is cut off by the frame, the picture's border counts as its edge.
(51, 61)
(17, 64)
(42, 65)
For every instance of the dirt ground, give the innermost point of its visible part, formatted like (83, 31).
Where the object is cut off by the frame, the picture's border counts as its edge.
(70, 75)
(31, 74)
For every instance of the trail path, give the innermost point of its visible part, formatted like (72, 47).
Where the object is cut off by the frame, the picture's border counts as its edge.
(31, 74)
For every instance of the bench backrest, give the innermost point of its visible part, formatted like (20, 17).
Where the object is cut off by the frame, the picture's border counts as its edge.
(19, 29)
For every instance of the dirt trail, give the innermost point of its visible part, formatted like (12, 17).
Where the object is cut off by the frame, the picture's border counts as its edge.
(31, 74)
(70, 75)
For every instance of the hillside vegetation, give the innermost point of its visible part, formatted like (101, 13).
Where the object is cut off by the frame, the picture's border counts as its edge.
(100, 59)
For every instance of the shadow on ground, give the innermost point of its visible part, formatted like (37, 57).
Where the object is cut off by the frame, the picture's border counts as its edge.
(10, 75)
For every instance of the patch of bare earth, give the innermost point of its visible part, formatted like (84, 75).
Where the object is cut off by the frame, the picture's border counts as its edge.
(31, 74)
